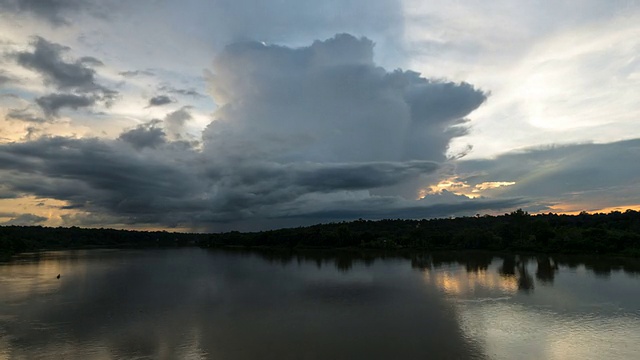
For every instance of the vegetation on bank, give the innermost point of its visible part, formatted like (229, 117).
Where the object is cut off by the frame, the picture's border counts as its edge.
(613, 233)
(20, 239)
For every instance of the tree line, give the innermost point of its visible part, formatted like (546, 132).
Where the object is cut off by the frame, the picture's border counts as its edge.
(612, 233)
(20, 239)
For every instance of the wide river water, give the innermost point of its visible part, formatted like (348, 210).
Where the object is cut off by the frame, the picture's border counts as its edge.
(192, 303)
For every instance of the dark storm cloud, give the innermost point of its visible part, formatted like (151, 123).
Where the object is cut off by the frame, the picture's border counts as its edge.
(51, 104)
(255, 186)
(324, 177)
(160, 100)
(104, 176)
(78, 75)
(6, 193)
(76, 78)
(174, 185)
(145, 136)
(46, 59)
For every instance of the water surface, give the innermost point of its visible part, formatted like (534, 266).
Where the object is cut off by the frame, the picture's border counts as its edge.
(198, 304)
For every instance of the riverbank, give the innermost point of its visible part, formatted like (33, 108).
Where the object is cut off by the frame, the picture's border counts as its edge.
(613, 234)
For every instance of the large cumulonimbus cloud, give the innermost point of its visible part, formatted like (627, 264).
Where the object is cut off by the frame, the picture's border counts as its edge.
(330, 102)
(302, 135)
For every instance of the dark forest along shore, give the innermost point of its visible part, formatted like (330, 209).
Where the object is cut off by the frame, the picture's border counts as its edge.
(237, 304)
(616, 233)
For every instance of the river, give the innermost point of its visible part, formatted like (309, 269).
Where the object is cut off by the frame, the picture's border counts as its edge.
(191, 303)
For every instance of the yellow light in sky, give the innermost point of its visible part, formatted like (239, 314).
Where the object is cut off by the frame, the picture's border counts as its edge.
(458, 187)
(492, 185)
(54, 212)
(47, 208)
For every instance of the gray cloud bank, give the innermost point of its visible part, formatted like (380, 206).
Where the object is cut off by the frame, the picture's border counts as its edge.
(171, 184)
(592, 175)
(52, 103)
(301, 135)
(22, 219)
(46, 59)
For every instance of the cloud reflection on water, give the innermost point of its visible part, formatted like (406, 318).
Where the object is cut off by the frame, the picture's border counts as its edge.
(241, 304)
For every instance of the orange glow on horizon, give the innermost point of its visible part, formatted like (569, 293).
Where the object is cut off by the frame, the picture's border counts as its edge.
(55, 215)
(575, 209)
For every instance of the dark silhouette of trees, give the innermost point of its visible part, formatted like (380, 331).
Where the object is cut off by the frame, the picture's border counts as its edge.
(508, 267)
(525, 280)
(613, 233)
(546, 270)
(18, 239)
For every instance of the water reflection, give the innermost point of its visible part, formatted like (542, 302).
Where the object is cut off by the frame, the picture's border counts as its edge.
(547, 269)
(232, 305)
(510, 276)
(240, 304)
(590, 312)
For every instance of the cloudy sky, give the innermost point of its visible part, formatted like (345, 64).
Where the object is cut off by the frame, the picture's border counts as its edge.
(250, 114)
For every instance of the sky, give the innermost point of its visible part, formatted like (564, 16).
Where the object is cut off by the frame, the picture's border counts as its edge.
(249, 114)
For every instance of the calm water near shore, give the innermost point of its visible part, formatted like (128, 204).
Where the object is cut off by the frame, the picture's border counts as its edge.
(220, 304)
